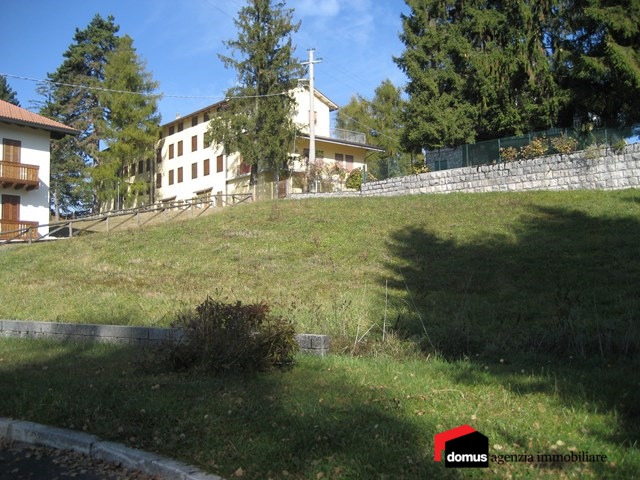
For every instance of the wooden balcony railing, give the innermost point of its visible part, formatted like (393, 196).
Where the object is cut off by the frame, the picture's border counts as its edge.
(19, 175)
(18, 230)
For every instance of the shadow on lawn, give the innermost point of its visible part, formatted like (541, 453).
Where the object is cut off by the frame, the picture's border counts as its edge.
(292, 424)
(562, 288)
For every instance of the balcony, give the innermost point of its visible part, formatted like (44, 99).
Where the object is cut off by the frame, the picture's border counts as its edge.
(348, 135)
(19, 175)
(18, 230)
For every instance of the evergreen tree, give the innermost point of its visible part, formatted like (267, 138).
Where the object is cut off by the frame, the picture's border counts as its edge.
(131, 123)
(477, 70)
(6, 92)
(600, 61)
(73, 98)
(257, 120)
(382, 120)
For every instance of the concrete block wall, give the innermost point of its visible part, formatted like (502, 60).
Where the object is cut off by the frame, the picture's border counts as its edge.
(309, 343)
(599, 169)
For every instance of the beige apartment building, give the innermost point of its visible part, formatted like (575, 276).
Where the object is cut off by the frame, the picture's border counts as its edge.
(186, 167)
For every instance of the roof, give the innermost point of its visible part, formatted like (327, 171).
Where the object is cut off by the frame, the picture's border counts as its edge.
(10, 113)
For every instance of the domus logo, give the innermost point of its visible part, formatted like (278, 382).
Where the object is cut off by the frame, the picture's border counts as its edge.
(464, 447)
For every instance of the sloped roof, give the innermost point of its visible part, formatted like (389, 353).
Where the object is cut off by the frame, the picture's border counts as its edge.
(9, 113)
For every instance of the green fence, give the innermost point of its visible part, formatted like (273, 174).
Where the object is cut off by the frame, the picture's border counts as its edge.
(487, 152)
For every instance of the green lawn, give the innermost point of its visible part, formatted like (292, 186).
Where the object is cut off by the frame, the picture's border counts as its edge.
(336, 417)
(516, 313)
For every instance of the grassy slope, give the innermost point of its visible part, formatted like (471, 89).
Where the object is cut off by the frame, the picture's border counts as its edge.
(495, 275)
(543, 271)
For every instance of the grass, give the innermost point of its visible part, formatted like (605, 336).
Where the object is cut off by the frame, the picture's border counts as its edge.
(516, 313)
(335, 417)
(553, 272)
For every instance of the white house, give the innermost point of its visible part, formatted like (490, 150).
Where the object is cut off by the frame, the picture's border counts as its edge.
(186, 167)
(24, 171)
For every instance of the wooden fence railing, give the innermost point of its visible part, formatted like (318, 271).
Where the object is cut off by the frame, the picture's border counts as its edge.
(110, 221)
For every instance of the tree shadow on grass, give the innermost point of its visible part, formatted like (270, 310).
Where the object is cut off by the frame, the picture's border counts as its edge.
(561, 289)
(306, 422)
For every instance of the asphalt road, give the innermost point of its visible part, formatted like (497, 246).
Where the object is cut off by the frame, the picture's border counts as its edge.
(22, 461)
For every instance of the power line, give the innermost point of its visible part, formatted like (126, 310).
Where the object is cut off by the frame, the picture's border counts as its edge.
(157, 95)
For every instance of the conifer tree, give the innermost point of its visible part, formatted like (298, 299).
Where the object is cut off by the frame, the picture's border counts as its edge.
(7, 93)
(72, 97)
(131, 124)
(257, 120)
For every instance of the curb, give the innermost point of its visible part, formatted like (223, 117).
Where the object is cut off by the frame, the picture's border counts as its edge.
(93, 447)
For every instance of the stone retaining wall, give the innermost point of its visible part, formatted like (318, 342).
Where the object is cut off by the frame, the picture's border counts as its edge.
(309, 343)
(601, 169)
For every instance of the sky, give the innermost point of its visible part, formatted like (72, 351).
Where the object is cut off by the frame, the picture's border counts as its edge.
(180, 41)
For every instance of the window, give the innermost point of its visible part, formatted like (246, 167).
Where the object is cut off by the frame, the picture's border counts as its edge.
(205, 168)
(180, 148)
(194, 143)
(349, 158)
(219, 163)
(180, 126)
(194, 170)
(180, 175)
(206, 116)
(172, 130)
(158, 155)
(194, 121)
(148, 164)
(171, 151)
(158, 180)
(340, 158)
(141, 167)
(170, 177)
(11, 150)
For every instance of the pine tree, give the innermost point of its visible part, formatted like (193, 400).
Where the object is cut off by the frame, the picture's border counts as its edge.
(131, 123)
(72, 97)
(6, 92)
(257, 120)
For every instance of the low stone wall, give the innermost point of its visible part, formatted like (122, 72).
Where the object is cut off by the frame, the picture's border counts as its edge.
(592, 169)
(599, 169)
(309, 343)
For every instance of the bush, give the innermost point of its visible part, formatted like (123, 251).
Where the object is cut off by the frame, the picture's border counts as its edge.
(354, 180)
(538, 147)
(509, 154)
(231, 337)
(564, 144)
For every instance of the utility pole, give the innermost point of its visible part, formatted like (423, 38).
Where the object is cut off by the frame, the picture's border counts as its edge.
(312, 113)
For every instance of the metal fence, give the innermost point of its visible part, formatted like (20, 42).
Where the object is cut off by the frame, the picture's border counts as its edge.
(489, 151)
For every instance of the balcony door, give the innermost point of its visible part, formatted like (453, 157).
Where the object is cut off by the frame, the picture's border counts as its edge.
(11, 150)
(10, 208)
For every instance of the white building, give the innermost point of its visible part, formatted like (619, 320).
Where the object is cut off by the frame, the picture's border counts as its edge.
(186, 167)
(24, 171)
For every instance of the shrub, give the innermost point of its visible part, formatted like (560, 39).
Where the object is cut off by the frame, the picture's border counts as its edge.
(419, 168)
(354, 180)
(509, 154)
(231, 337)
(536, 148)
(564, 144)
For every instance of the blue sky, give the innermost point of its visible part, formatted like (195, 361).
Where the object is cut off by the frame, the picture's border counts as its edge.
(180, 40)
